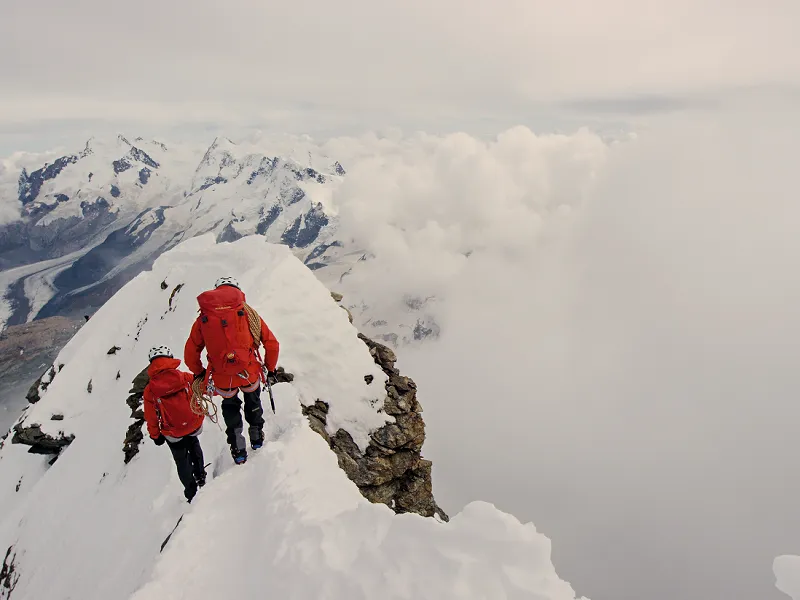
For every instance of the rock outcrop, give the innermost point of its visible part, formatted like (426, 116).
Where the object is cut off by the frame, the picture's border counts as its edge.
(8, 574)
(391, 470)
(39, 441)
(134, 435)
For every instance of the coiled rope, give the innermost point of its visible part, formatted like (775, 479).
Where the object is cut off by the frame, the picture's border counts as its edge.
(254, 320)
(202, 402)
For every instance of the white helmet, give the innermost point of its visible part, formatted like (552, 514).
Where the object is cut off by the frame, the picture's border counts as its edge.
(227, 281)
(159, 351)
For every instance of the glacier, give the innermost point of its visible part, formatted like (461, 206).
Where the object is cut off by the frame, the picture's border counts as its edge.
(289, 523)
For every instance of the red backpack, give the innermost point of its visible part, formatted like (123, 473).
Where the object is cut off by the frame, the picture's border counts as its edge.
(226, 331)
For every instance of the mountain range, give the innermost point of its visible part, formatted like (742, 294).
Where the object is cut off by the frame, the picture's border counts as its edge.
(80, 225)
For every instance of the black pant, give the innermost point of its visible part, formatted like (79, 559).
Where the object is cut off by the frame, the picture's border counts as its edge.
(253, 413)
(188, 457)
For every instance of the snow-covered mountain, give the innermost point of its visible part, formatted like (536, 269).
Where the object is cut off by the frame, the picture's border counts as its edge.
(85, 516)
(85, 223)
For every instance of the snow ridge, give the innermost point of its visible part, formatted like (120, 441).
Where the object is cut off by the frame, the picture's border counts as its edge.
(87, 525)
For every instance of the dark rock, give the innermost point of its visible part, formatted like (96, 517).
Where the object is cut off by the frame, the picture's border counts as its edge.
(174, 293)
(134, 434)
(40, 385)
(319, 251)
(118, 375)
(339, 169)
(57, 417)
(8, 574)
(229, 234)
(282, 376)
(383, 355)
(121, 165)
(114, 350)
(40, 442)
(369, 379)
(306, 228)
(209, 182)
(289, 236)
(89, 387)
(265, 168)
(133, 438)
(164, 285)
(30, 185)
(143, 157)
(337, 297)
(144, 175)
(267, 220)
(391, 470)
(62, 198)
(313, 222)
(115, 191)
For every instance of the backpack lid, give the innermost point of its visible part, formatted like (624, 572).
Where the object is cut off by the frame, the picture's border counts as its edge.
(221, 299)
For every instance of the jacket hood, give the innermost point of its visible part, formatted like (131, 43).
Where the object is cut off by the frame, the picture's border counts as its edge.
(165, 379)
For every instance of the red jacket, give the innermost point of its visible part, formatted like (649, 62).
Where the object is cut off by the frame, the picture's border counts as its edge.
(166, 400)
(195, 345)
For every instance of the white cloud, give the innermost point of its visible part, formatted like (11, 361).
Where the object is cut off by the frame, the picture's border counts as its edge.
(415, 59)
(624, 376)
(421, 204)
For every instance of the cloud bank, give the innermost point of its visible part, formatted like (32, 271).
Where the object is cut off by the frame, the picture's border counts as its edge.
(618, 358)
(192, 61)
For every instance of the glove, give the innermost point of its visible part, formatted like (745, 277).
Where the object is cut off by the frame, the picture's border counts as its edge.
(200, 375)
(272, 377)
(159, 441)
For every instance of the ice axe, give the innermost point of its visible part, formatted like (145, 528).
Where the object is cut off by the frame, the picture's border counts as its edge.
(265, 377)
(269, 389)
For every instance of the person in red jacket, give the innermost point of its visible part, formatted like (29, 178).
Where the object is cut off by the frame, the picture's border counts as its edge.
(234, 361)
(170, 418)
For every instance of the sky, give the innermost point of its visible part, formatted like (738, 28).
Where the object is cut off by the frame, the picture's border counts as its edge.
(617, 362)
(354, 65)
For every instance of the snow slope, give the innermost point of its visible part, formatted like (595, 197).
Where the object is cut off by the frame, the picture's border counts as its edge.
(289, 521)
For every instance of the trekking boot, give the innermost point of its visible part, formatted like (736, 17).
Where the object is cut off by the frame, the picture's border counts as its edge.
(201, 481)
(239, 456)
(257, 441)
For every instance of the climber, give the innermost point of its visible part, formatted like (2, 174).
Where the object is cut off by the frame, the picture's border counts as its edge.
(170, 418)
(231, 332)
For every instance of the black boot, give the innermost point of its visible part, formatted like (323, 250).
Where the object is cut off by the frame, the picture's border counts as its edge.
(256, 437)
(239, 455)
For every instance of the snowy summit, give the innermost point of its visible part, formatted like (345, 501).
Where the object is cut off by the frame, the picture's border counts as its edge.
(81, 521)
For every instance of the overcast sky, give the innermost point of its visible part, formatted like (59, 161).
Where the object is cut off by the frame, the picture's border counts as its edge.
(338, 67)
